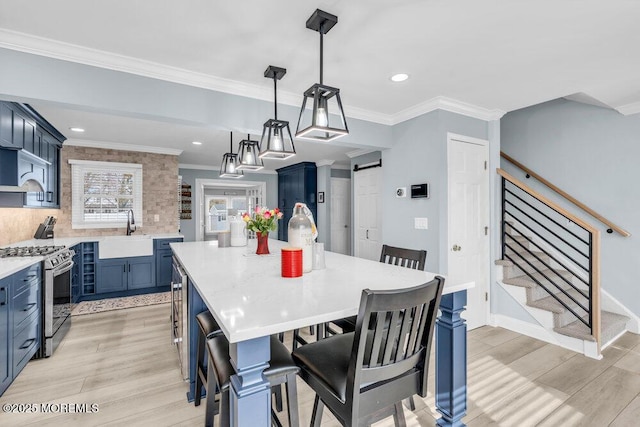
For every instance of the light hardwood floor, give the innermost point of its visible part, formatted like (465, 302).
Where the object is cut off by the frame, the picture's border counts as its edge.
(123, 362)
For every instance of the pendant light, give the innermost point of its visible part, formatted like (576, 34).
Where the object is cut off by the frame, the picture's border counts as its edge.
(276, 142)
(248, 155)
(317, 124)
(229, 167)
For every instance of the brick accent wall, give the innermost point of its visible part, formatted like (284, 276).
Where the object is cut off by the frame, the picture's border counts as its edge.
(18, 224)
(160, 190)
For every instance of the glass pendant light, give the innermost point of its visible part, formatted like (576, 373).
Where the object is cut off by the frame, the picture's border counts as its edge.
(229, 167)
(248, 155)
(317, 124)
(276, 141)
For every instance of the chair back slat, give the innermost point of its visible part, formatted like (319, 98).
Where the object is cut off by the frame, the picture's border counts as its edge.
(393, 334)
(410, 258)
(391, 337)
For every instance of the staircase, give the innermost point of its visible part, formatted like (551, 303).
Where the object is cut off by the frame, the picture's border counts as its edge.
(526, 276)
(551, 266)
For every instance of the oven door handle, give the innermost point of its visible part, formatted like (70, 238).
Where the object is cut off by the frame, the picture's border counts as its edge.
(57, 272)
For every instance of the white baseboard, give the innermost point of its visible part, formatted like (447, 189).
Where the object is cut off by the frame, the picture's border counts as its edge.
(588, 348)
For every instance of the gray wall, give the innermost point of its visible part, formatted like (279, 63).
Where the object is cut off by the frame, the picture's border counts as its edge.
(592, 153)
(324, 209)
(189, 176)
(420, 156)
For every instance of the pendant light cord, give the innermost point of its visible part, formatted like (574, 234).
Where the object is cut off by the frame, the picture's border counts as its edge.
(231, 142)
(321, 50)
(275, 99)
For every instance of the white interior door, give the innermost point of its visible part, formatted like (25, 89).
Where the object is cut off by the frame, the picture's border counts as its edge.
(367, 186)
(340, 215)
(468, 258)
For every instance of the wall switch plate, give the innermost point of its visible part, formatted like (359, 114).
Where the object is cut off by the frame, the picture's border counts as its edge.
(156, 218)
(401, 192)
(420, 223)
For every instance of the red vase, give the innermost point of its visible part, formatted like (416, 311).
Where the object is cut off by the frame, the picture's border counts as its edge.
(263, 243)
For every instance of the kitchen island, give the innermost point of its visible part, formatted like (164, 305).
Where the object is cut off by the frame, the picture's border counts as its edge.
(251, 301)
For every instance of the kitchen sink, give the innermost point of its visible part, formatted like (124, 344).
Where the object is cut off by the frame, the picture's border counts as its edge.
(125, 246)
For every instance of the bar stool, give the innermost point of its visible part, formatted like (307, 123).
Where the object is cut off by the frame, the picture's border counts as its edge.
(281, 370)
(208, 329)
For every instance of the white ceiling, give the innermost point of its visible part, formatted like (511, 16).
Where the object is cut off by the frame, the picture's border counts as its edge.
(493, 54)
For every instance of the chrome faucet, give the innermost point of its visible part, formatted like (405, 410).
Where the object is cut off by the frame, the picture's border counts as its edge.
(130, 223)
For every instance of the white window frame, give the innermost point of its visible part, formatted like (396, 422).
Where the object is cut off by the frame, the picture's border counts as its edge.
(79, 168)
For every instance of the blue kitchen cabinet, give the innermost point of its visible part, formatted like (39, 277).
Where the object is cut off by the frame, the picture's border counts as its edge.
(122, 274)
(163, 255)
(296, 183)
(88, 271)
(6, 125)
(112, 275)
(5, 335)
(20, 322)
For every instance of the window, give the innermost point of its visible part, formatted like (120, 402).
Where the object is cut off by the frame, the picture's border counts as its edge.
(103, 193)
(219, 208)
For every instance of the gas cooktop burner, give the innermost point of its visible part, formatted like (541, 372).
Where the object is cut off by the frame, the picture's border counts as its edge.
(25, 251)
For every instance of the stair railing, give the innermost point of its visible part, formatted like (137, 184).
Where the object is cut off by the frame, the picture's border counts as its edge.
(530, 173)
(572, 273)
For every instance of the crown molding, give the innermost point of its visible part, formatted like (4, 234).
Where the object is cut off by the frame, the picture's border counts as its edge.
(324, 162)
(42, 46)
(214, 168)
(360, 152)
(120, 146)
(629, 109)
(448, 104)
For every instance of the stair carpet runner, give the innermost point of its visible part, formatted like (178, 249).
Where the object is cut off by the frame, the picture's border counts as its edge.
(565, 322)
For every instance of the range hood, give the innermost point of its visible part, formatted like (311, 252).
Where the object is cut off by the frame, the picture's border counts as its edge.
(21, 171)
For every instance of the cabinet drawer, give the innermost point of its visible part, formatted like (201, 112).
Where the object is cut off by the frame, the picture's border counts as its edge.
(25, 278)
(164, 243)
(25, 343)
(25, 304)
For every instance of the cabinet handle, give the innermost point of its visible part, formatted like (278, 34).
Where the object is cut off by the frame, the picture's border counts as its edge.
(28, 306)
(27, 343)
(367, 234)
(29, 277)
(129, 268)
(49, 196)
(4, 302)
(124, 268)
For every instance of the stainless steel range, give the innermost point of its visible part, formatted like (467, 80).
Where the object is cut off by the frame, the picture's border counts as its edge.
(56, 291)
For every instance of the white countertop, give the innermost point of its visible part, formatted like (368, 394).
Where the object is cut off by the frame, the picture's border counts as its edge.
(8, 266)
(249, 298)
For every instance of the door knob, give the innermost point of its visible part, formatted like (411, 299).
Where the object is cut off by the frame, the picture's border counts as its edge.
(456, 248)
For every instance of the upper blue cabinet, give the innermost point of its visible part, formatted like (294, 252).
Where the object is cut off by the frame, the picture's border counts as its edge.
(30, 155)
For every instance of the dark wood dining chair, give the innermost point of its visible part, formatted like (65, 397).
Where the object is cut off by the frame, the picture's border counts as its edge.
(410, 258)
(363, 376)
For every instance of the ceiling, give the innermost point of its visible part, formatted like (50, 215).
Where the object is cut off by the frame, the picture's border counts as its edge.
(492, 54)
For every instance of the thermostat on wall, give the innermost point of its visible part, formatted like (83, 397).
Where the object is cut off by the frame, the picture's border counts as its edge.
(420, 191)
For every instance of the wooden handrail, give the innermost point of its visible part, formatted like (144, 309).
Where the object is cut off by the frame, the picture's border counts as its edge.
(556, 207)
(567, 196)
(595, 254)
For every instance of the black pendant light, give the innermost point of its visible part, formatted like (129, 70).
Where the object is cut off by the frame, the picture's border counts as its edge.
(276, 141)
(229, 167)
(248, 155)
(317, 124)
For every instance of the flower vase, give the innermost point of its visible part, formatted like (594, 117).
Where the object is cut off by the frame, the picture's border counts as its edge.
(263, 243)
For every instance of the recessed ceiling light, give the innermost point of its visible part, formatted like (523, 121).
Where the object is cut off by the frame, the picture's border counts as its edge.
(197, 143)
(399, 77)
(76, 130)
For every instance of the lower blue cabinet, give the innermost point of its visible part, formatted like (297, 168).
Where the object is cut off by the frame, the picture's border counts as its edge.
(5, 336)
(163, 254)
(20, 325)
(122, 274)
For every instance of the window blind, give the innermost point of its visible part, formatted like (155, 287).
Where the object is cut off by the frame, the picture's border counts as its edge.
(103, 193)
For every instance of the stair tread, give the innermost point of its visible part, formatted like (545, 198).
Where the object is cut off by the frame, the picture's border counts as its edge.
(551, 304)
(526, 281)
(611, 324)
